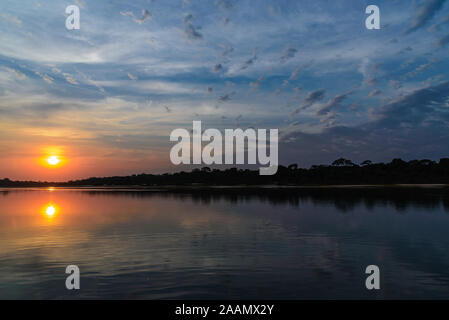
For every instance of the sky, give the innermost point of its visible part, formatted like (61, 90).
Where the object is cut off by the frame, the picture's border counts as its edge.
(106, 97)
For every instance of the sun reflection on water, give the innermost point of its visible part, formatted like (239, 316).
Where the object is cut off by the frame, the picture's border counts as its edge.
(50, 210)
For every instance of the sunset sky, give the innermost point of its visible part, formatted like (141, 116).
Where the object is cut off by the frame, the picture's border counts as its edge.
(105, 98)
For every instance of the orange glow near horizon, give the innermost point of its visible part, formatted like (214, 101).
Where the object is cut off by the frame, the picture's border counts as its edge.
(53, 157)
(31, 163)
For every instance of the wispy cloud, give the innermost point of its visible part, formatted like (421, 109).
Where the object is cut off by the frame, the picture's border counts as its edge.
(145, 16)
(424, 14)
(288, 54)
(190, 30)
(250, 61)
(443, 41)
(333, 103)
(17, 73)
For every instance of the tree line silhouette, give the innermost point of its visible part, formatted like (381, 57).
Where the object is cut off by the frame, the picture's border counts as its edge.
(341, 172)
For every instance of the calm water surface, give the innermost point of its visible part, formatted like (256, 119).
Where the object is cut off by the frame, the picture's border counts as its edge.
(159, 245)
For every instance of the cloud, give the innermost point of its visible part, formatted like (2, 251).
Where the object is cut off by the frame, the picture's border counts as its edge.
(333, 103)
(127, 13)
(224, 4)
(312, 98)
(226, 97)
(411, 126)
(405, 50)
(295, 123)
(297, 91)
(255, 85)
(30, 112)
(367, 69)
(131, 76)
(355, 106)
(395, 84)
(288, 54)
(17, 73)
(295, 73)
(416, 107)
(420, 69)
(69, 78)
(226, 50)
(437, 27)
(144, 87)
(374, 93)
(45, 77)
(424, 14)
(250, 61)
(443, 41)
(217, 68)
(80, 3)
(11, 18)
(190, 31)
(145, 16)
(371, 81)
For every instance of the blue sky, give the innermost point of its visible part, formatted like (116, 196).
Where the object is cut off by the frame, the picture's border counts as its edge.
(115, 89)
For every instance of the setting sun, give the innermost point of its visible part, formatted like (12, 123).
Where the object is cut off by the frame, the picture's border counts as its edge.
(52, 157)
(53, 160)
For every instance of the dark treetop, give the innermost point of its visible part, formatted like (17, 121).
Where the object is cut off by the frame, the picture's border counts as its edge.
(340, 172)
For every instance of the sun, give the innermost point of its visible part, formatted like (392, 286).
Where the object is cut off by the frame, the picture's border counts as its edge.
(52, 157)
(53, 160)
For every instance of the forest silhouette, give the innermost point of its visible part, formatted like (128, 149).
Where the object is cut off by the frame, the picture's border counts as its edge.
(341, 172)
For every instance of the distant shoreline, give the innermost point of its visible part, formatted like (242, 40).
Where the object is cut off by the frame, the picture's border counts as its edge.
(341, 173)
(227, 187)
